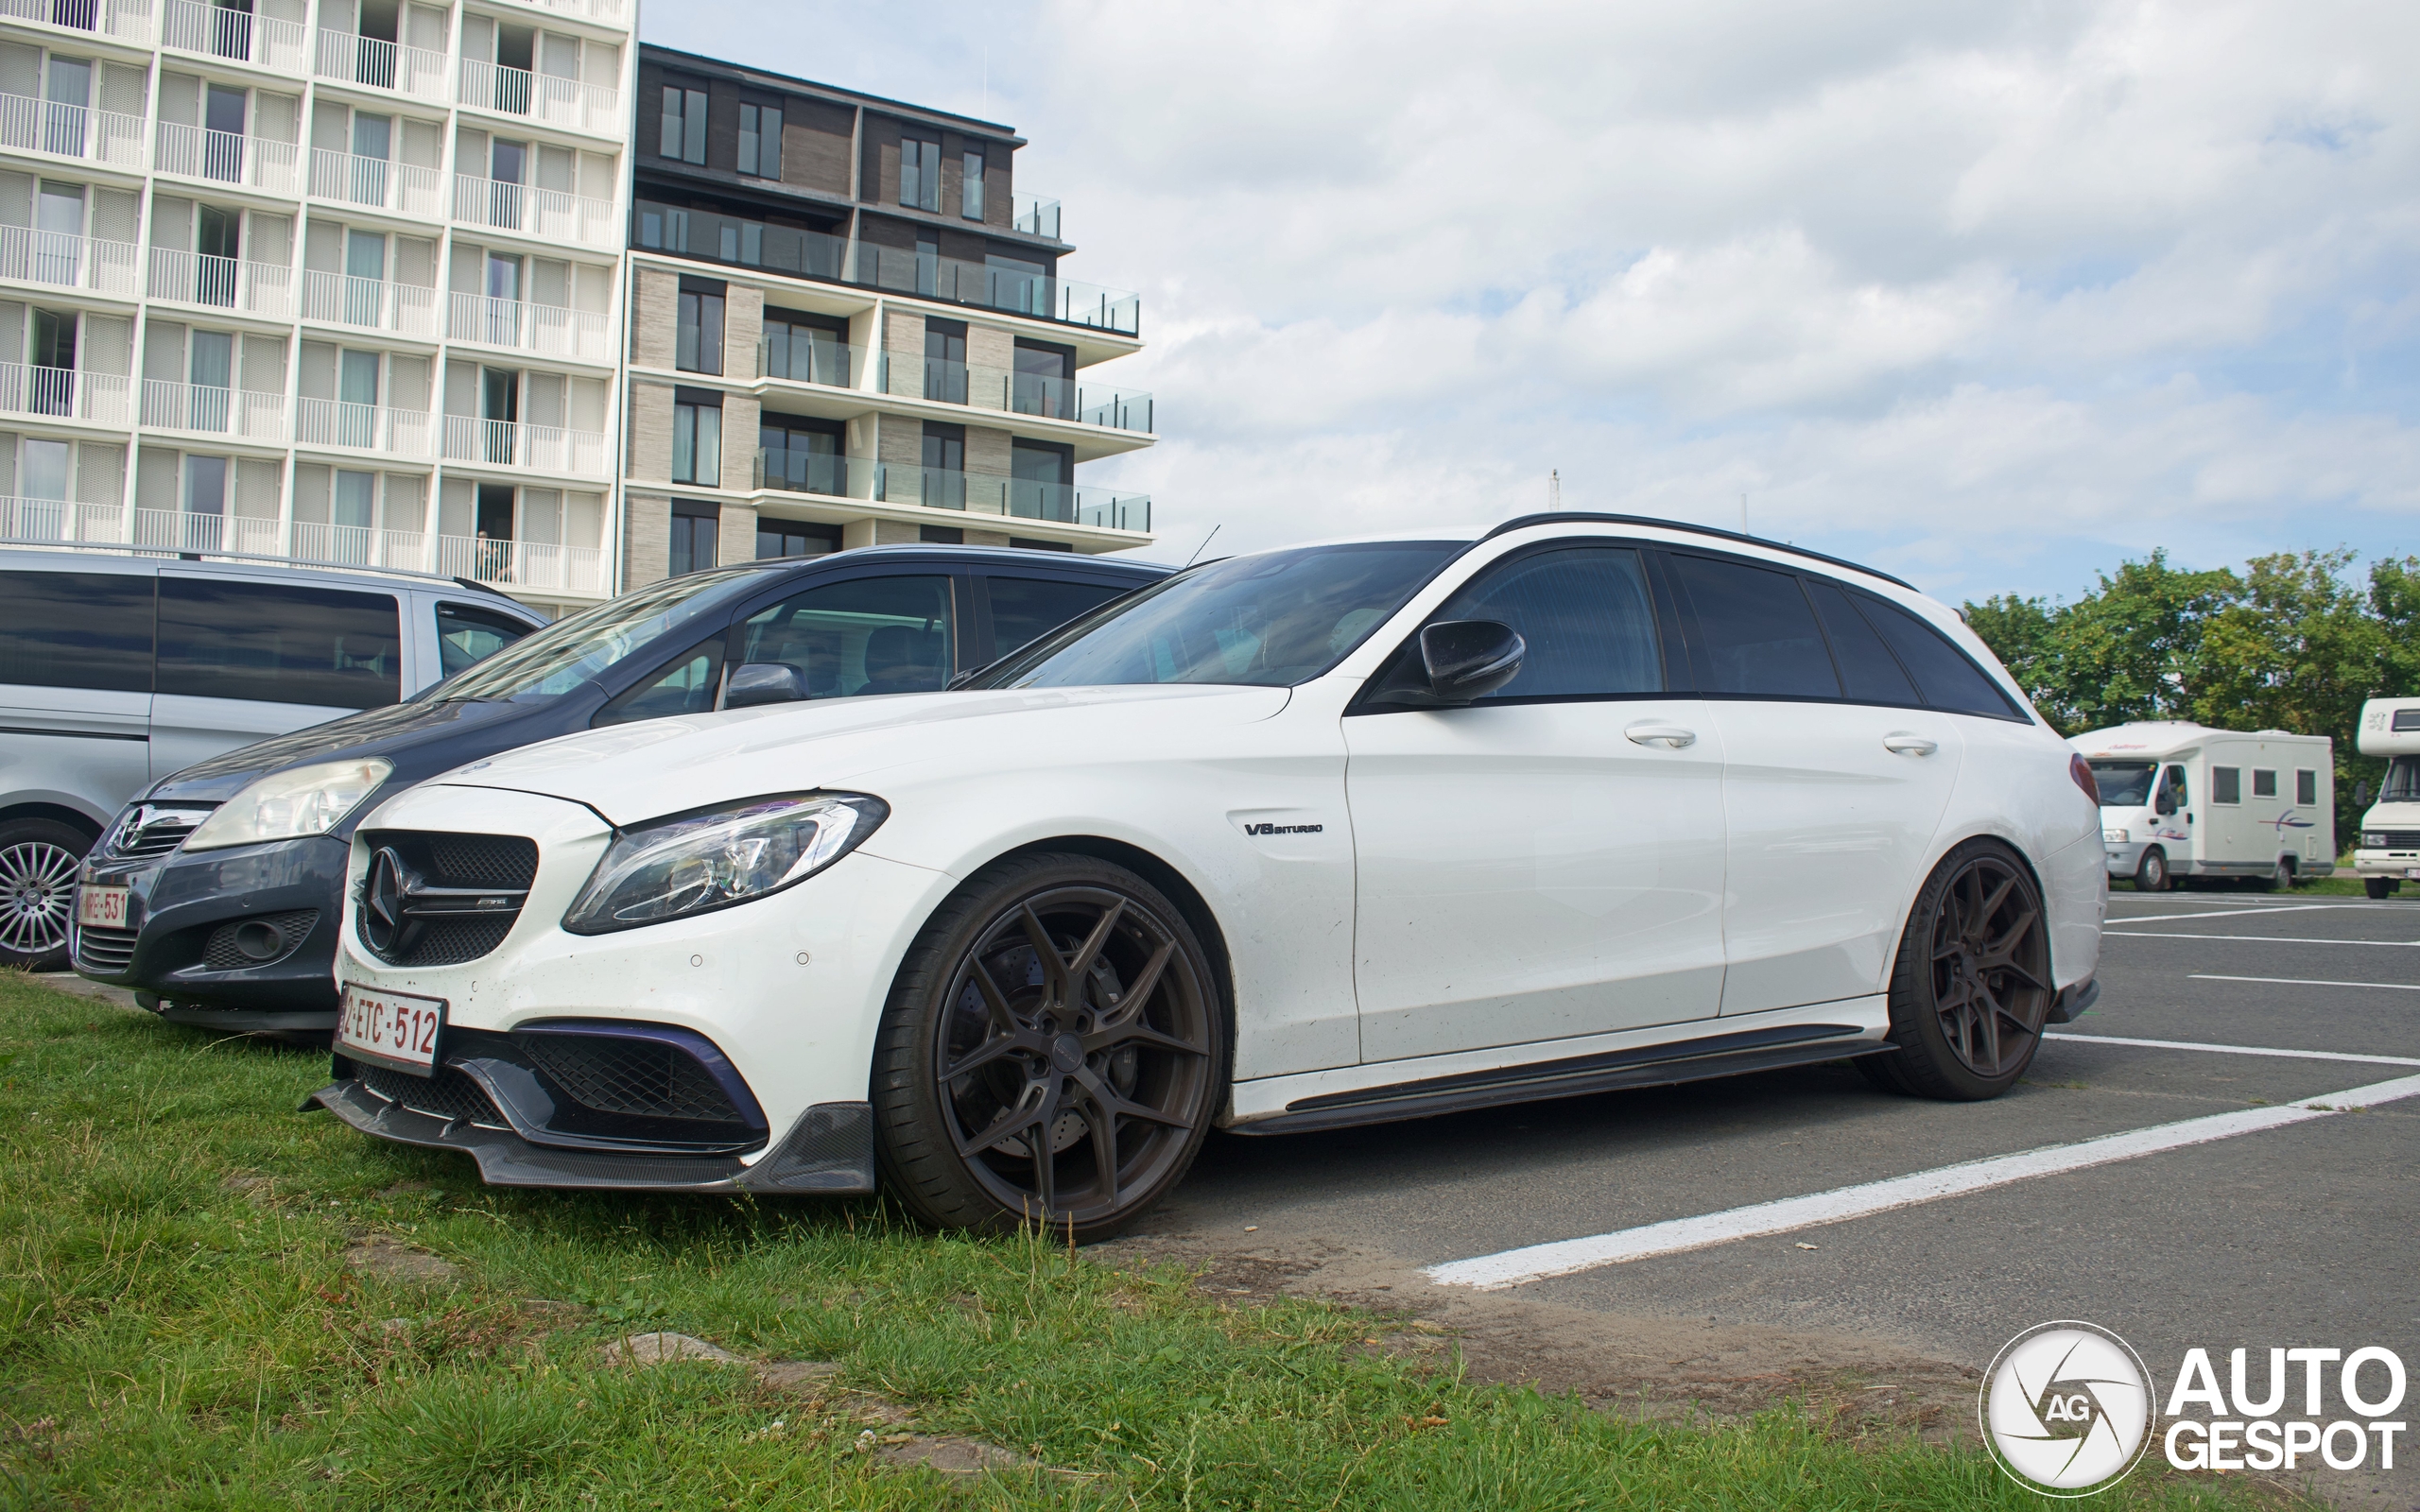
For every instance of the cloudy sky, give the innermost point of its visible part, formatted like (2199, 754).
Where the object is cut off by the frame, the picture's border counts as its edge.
(1990, 295)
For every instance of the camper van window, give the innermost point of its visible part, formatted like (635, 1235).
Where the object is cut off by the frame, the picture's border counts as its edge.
(2226, 785)
(2177, 797)
(2305, 787)
(2402, 783)
(2264, 785)
(2124, 784)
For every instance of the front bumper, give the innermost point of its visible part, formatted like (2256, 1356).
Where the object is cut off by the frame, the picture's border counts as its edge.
(179, 910)
(2400, 864)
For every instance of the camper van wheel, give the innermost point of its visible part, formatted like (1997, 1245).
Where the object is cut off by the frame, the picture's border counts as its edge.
(2377, 887)
(2151, 873)
(2280, 874)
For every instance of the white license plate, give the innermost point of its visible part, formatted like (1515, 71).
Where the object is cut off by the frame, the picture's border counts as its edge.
(391, 1028)
(101, 907)
(2412, 871)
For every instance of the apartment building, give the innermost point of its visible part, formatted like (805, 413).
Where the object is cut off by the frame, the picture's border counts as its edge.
(848, 327)
(335, 284)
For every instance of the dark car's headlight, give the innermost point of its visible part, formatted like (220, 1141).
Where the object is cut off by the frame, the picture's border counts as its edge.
(696, 863)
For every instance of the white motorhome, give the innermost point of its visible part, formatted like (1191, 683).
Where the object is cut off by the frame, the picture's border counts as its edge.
(2181, 799)
(2389, 852)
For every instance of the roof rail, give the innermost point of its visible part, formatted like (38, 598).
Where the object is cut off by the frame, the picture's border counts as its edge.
(1584, 517)
(128, 548)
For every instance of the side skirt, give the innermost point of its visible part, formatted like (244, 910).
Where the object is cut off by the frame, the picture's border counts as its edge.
(1664, 1065)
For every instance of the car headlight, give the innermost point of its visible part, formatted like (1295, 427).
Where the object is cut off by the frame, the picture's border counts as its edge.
(288, 805)
(2373, 840)
(696, 863)
(2117, 836)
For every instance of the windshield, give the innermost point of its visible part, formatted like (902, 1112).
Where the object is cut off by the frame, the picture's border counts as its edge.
(2124, 784)
(569, 652)
(2402, 780)
(1271, 621)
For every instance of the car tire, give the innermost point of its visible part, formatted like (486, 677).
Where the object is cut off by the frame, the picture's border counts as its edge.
(1015, 1051)
(37, 864)
(2377, 887)
(2151, 873)
(1971, 988)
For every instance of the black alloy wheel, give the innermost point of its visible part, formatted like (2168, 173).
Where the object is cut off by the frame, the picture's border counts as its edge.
(1054, 1052)
(1971, 988)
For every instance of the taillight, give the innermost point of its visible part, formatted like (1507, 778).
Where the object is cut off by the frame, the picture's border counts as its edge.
(2081, 771)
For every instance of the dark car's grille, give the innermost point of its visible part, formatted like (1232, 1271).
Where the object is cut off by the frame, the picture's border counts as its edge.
(2395, 839)
(263, 939)
(633, 1076)
(107, 952)
(449, 1094)
(507, 862)
(147, 832)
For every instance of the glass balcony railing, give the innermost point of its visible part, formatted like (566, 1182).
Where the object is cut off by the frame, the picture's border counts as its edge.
(1036, 216)
(807, 356)
(818, 254)
(797, 470)
(1020, 393)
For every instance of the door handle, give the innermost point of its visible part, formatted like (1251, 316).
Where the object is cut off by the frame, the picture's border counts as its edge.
(1671, 737)
(1904, 745)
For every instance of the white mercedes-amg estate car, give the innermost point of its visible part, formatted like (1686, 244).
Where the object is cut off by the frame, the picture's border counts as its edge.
(1327, 835)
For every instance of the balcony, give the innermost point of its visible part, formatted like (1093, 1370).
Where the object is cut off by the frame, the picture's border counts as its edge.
(399, 187)
(370, 304)
(548, 330)
(409, 433)
(1035, 215)
(63, 393)
(360, 546)
(524, 565)
(61, 520)
(991, 493)
(565, 104)
(250, 161)
(216, 535)
(59, 261)
(75, 132)
(1017, 393)
(222, 283)
(611, 12)
(206, 409)
(125, 20)
(548, 215)
(809, 359)
(355, 60)
(538, 448)
(238, 36)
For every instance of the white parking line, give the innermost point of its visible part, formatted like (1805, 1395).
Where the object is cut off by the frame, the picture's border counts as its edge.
(1516, 1268)
(2229, 913)
(2263, 939)
(2303, 981)
(2235, 1050)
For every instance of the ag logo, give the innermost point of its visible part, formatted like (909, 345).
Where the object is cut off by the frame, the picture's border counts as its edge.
(2066, 1409)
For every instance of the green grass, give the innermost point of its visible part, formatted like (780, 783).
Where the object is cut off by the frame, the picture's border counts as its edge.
(178, 1328)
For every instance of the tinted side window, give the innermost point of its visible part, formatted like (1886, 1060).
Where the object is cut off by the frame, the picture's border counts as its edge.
(1949, 680)
(861, 636)
(684, 685)
(465, 634)
(1869, 673)
(1022, 608)
(77, 631)
(1758, 634)
(2226, 785)
(2176, 786)
(278, 643)
(1585, 612)
(2306, 788)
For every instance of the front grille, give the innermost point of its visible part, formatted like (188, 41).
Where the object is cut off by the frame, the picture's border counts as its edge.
(107, 952)
(276, 936)
(449, 1094)
(444, 934)
(2397, 840)
(147, 831)
(632, 1077)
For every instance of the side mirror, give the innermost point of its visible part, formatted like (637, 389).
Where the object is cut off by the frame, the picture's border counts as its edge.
(2166, 804)
(2361, 794)
(1467, 659)
(757, 682)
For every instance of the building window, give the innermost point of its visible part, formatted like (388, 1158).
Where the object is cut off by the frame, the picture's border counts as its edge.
(943, 484)
(946, 360)
(929, 264)
(969, 196)
(1043, 478)
(695, 527)
(919, 174)
(697, 345)
(794, 538)
(684, 125)
(760, 141)
(697, 440)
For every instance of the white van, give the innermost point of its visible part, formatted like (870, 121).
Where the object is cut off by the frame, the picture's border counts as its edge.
(2389, 852)
(117, 670)
(2180, 799)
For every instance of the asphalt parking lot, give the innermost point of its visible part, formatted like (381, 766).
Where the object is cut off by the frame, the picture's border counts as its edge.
(2284, 1236)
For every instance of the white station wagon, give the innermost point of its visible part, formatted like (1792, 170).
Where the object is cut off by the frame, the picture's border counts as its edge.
(1335, 835)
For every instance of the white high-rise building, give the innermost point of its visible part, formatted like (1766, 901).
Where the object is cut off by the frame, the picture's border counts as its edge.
(331, 283)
